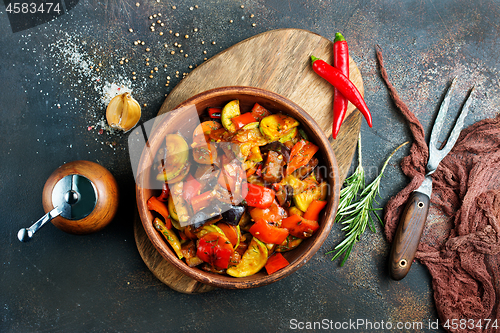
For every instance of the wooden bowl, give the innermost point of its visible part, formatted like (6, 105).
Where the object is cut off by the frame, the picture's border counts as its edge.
(178, 119)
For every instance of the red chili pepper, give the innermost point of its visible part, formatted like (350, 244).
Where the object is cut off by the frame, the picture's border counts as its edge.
(259, 196)
(341, 62)
(275, 263)
(243, 119)
(343, 84)
(214, 113)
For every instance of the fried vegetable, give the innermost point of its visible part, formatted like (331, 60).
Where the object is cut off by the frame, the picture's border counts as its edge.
(255, 155)
(231, 232)
(205, 128)
(277, 147)
(215, 249)
(253, 260)
(290, 243)
(304, 199)
(200, 232)
(170, 236)
(272, 172)
(233, 214)
(183, 173)
(212, 213)
(205, 153)
(180, 205)
(284, 194)
(299, 226)
(245, 140)
(171, 209)
(307, 169)
(251, 125)
(188, 249)
(295, 211)
(276, 126)
(290, 135)
(275, 263)
(230, 110)
(175, 157)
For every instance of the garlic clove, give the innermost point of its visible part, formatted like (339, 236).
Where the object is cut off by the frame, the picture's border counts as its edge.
(123, 112)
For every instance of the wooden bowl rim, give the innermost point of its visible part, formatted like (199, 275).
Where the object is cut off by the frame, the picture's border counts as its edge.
(223, 281)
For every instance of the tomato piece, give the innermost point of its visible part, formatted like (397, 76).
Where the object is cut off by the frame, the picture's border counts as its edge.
(215, 249)
(268, 233)
(231, 232)
(259, 196)
(205, 128)
(159, 207)
(274, 213)
(275, 263)
(205, 153)
(191, 188)
(315, 207)
(220, 134)
(300, 155)
(299, 226)
(259, 112)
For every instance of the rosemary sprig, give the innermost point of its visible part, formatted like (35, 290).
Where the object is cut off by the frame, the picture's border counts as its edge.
(352, 185)
(357, 215)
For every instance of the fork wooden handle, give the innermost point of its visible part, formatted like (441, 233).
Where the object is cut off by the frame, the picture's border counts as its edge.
(405, 243)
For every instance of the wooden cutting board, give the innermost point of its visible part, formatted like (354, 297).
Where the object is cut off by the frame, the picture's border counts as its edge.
(279, 61)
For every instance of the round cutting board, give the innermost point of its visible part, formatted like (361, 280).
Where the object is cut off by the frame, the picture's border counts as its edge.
(279, 61)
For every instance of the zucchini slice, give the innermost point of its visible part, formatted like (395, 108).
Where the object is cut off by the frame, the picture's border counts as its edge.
(253, 260)
(276, 126)
(230, 110)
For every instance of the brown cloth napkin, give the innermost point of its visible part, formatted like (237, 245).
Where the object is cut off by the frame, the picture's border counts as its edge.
(461, 242)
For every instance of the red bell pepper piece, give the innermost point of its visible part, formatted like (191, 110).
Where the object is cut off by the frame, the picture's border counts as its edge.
(159, 207)
(300, 155)
(214, 113)
(268, 233)
(343, 84)
(202, 200)
(191, 188)
(215, 249)
(315, 207)
(341, 62)
(275, 263)
(299, 226)
(243, 119)
(259, 112)
(259, 196)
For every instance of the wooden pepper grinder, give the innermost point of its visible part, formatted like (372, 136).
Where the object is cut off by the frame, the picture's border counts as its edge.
(80, 197)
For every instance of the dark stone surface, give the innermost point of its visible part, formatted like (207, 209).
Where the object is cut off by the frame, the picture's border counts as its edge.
(50, 102)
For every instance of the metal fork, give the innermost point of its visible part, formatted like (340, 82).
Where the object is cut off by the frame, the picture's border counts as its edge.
(412, 221)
